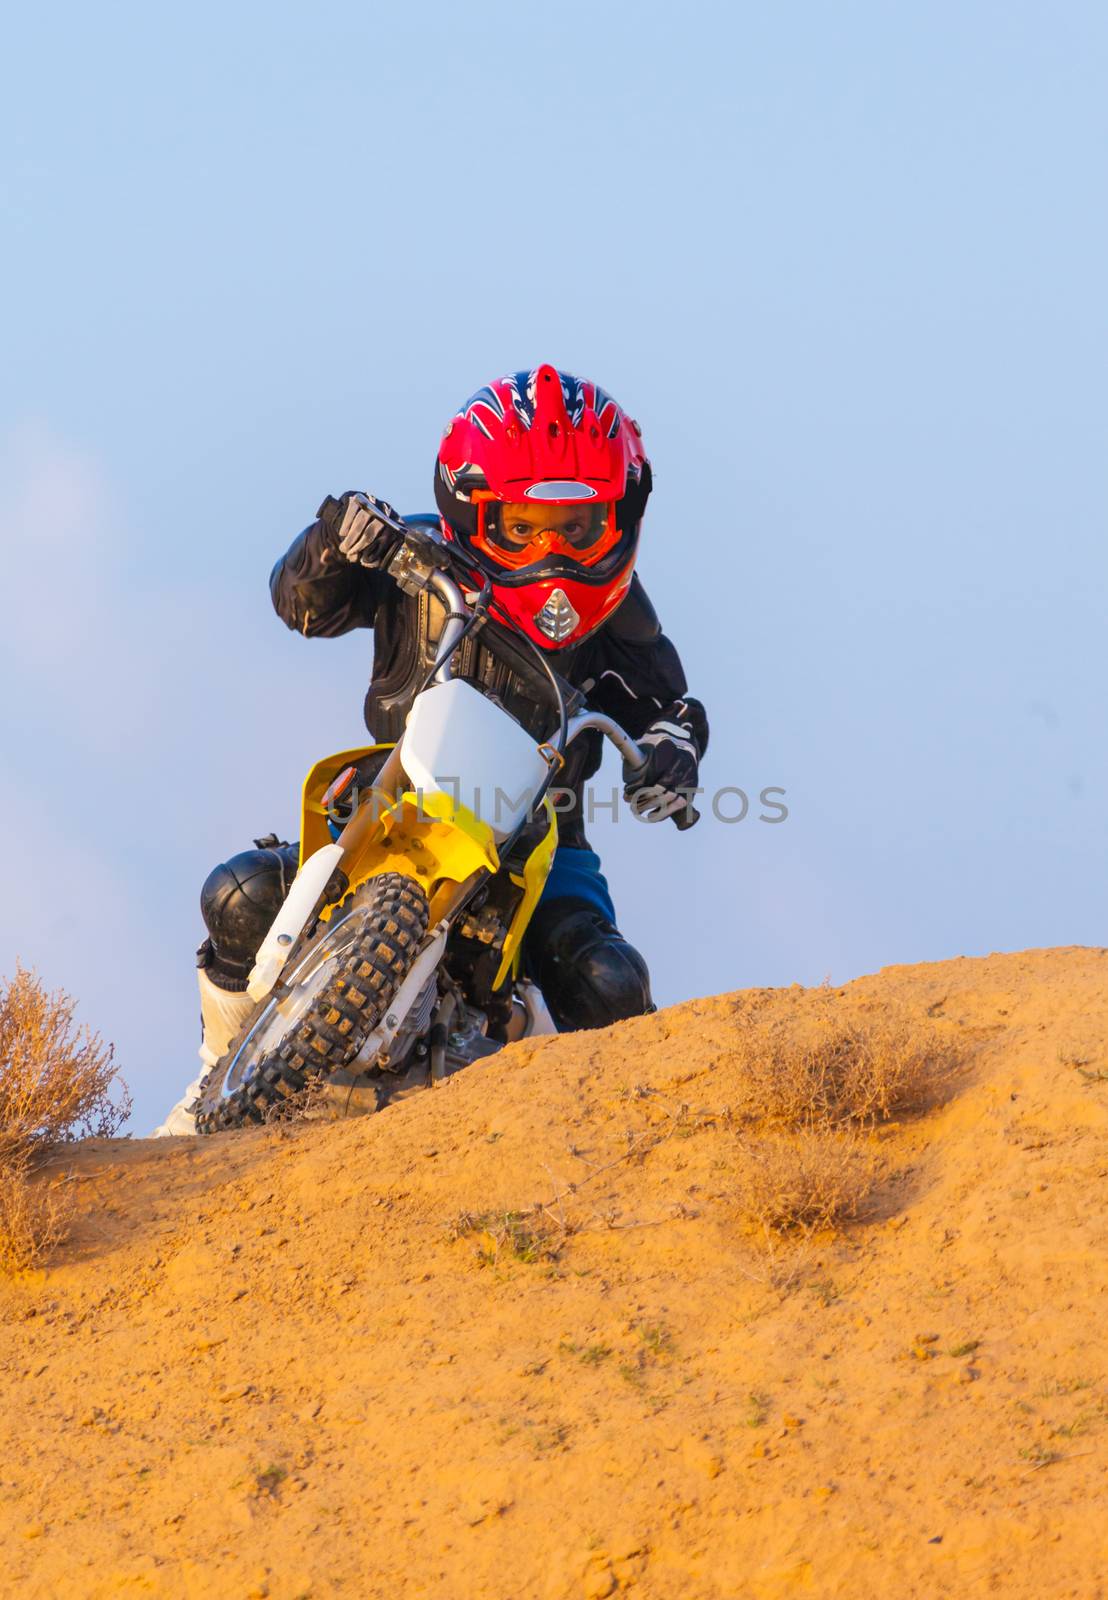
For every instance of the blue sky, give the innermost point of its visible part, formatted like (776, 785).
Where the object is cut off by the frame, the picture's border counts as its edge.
(846, 264)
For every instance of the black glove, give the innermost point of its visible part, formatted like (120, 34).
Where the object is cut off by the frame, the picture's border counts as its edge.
(362, 528)
(674, 743)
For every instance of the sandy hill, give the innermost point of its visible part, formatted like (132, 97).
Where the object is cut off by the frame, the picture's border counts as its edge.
(352, 1359)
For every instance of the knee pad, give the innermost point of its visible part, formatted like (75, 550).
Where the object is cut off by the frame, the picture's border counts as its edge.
(588, 973)
(239, 900)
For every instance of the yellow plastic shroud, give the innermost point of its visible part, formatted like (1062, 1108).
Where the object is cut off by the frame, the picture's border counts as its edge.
(437, 842)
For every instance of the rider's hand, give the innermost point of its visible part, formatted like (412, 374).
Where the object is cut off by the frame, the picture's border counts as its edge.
(362, 528)
(660, 788)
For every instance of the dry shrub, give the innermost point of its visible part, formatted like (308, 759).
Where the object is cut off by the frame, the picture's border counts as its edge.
(33, 1218)
(803, 1182)
(58, 1083)
(311, 1102)
(815, 1067)
(812, 1079)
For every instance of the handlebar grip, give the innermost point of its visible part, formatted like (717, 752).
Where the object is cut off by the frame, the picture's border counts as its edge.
(687, 817)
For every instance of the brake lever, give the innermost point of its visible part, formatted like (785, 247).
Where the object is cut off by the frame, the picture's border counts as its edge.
(419, 556)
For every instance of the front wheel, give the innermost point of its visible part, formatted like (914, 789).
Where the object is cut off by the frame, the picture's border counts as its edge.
(332, 995)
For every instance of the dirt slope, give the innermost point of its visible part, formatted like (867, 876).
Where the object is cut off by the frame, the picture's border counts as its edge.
(266, 1367)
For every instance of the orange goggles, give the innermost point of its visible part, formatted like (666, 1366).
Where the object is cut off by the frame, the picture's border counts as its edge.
(521, 533)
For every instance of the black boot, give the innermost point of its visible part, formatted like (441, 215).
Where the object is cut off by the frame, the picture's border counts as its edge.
(588, 973)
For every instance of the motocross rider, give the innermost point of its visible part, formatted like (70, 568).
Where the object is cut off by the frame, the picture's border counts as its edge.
(541, 483)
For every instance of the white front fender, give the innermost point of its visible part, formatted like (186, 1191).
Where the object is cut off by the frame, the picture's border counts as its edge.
(290, 921)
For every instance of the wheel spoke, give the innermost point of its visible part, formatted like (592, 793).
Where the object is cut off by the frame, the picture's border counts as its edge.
(269, 1061)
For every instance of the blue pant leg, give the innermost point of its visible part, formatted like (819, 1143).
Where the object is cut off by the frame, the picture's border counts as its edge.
(576, 875)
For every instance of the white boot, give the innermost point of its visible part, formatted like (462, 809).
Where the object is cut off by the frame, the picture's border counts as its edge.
(539, 1019)
(222, 1014)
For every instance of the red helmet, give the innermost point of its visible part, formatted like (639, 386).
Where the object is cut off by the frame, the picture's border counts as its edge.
(543, 480)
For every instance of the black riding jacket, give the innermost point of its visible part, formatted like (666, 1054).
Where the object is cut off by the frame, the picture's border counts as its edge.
(627, 668)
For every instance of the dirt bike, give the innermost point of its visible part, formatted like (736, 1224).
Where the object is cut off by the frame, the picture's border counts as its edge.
(395, 958)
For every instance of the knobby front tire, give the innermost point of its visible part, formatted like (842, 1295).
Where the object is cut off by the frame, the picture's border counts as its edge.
(340, 986)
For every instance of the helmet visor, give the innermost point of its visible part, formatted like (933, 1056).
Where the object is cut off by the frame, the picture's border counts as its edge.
(518, 534)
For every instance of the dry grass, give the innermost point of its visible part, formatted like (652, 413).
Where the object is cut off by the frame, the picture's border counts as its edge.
(813, 1067)
(34, 1219)
(815, 1081)
(58, 1083)
(529, 1236)
(804, 1182)
(313, 1101)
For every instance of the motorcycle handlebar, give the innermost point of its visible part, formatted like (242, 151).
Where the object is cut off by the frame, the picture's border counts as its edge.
(633, 754)
(457, 616)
